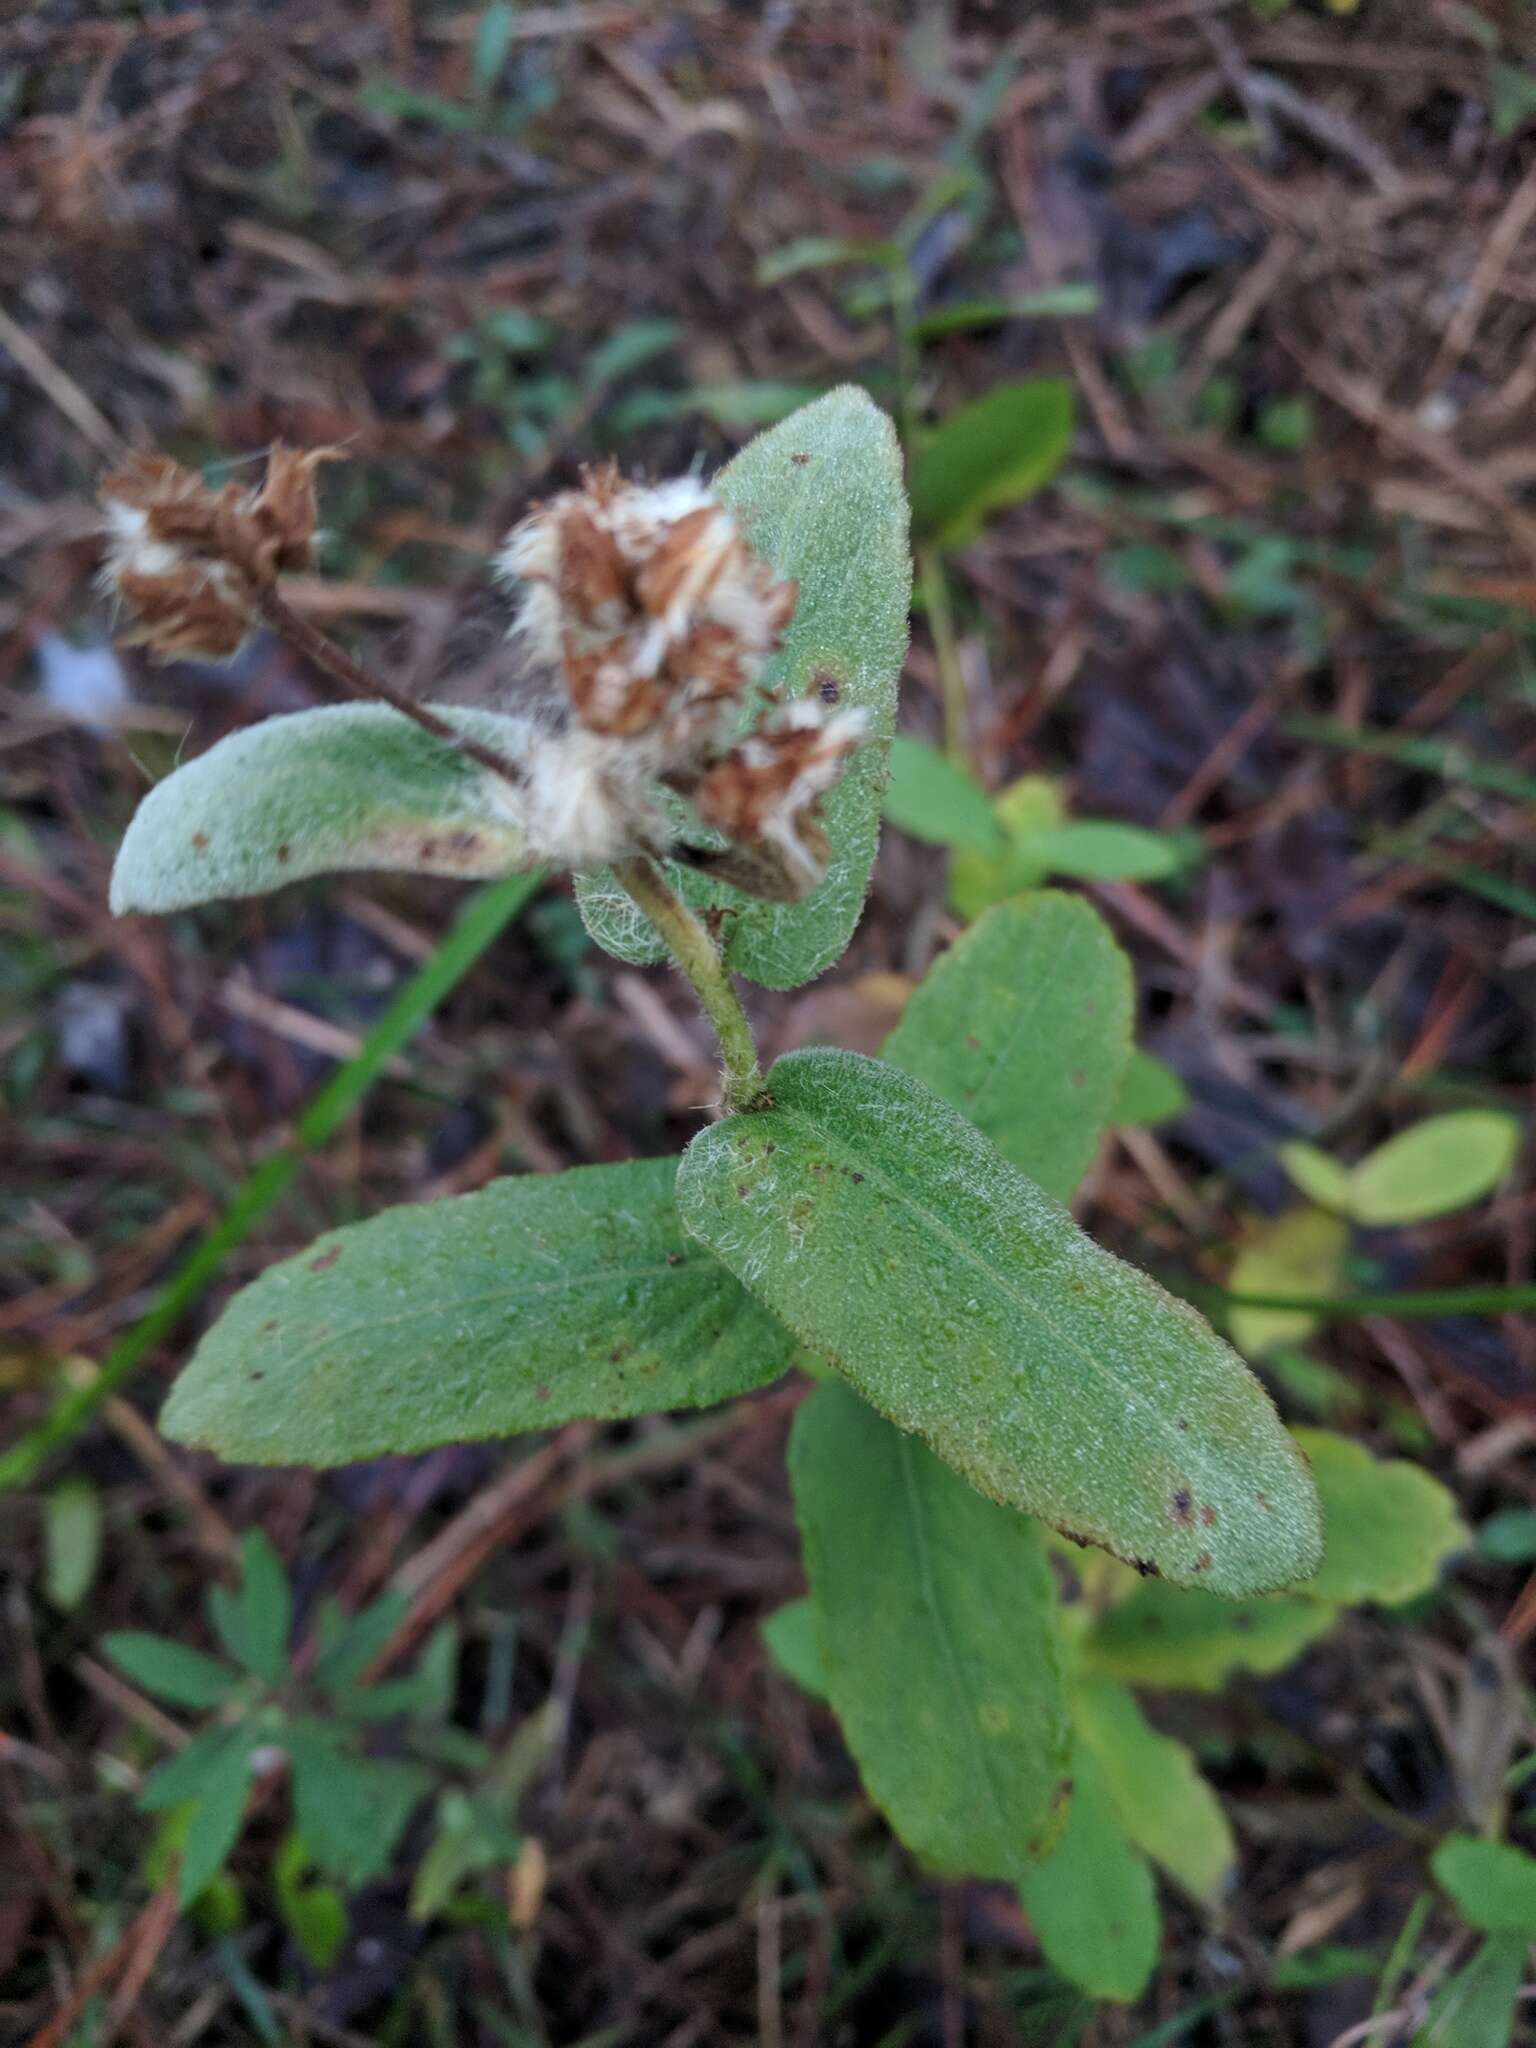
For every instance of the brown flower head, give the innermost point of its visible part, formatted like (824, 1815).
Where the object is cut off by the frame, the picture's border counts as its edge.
(185, 560)
(650, 605)
(765, 794)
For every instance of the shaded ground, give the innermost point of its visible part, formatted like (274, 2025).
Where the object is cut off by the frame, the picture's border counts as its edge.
(1302, 488)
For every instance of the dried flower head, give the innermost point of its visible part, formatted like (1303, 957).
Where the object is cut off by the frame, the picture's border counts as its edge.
(650, 605)
(186, 561)
(765, 793)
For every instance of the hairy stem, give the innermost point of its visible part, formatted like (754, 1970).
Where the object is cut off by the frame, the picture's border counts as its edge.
(934, 586)
(698, 957)
(333, 660)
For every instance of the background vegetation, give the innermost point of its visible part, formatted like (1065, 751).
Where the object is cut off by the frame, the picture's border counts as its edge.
(1242, 650)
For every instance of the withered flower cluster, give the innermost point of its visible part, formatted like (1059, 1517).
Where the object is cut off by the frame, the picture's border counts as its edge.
(643, 609)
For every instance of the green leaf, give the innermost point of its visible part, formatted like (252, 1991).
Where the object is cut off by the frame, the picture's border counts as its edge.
(349, 1810)
(350, 1642)
(821, 497)
(1388, 1526)
(1320, 1178)
(795, 1646)
(350, 786)
(1024, 1025)
(967, 1306)
(537, 1300)
(996, 451)
(934, 800)
(1031, 804)
(1155, 1790)
(216, 1821)
(1095, 850)
(253, 1625)
(171, 1671)
(315, 1914)
(1150, 1092)
(1509, 1537)
(71, 1541)
(1165, 1636)
(1300, 1251)
(936, 1621)
(1092, 1903)
(1492, 1883)
(1476, 2007)
(183, 1776)
(1442, 1164)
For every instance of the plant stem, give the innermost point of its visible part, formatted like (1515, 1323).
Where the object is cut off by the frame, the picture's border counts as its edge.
(333, 660)
(934, 587)
(698, 957)
(482, 918)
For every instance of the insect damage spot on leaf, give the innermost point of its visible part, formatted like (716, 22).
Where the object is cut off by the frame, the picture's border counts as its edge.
(200, 842)
(326, 1260)
(1182, 1506)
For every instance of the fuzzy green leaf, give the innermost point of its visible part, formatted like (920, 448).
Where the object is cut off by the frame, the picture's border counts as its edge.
(171, 1671)
(934, 800)
(821, 498)
(936, 1624)
(1492, 1883)
(1093, 1904)
(965, 1304)
(1438, 1166)
(1155, 1789)
(350, 786)
(994, 452)
(1031, 804)
(1024, 1025)
(540, 1299)
(1388, 1526)
(1167, 1636)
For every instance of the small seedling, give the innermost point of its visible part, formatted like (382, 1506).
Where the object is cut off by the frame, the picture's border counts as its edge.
(719, 670)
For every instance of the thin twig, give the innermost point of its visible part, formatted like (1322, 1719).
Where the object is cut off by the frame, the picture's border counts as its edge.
(333, 660)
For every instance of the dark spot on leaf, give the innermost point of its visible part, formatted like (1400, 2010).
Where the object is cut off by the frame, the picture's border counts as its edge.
(200, 842)
(429, 849)
(742, 1191)
(674, 1258)
(769, 1150)
(1263, 1501)
(858, 1176)
(541, 1393)
(1203, 1561)
(283, 853)
(1148, 1570)
(973, 1042)
(1208, 1517)
(326, 1260)
(1181, 1505)
(618, 1353)
(1242, 1621)
(269, 1326)
(1184, 1426)
(463, 842)
(258, 1372)
(827, 687)
(799, 460)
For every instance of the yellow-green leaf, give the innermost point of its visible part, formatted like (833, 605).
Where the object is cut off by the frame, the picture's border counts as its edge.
(1166, 1636)
(1440, 1165)
(1092, 1903)
(1388, 1526)
(1300, 1251)
(997, 450)
(1155, 1790)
